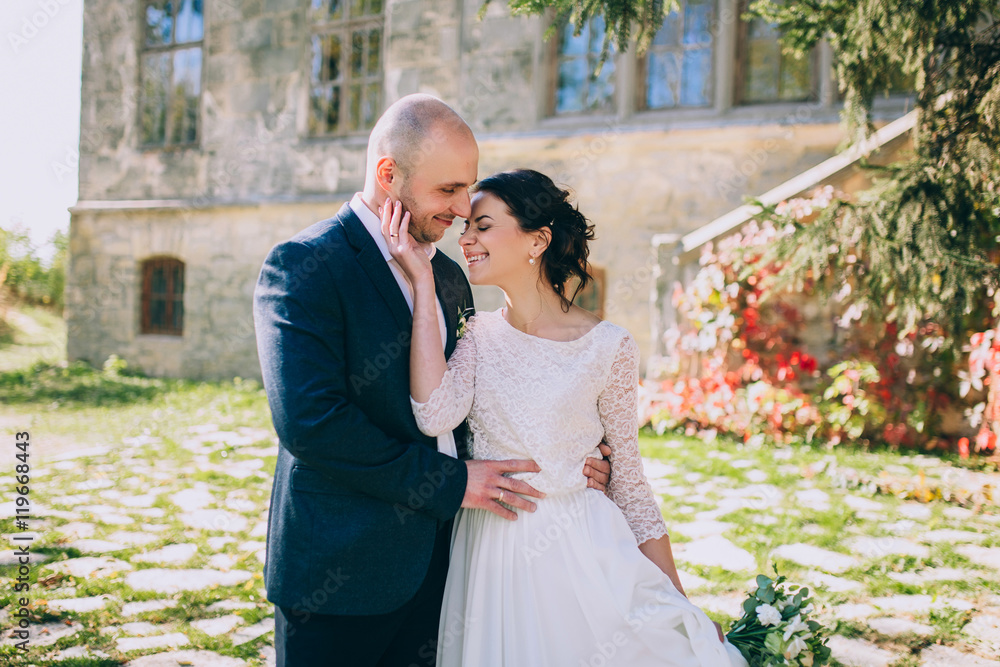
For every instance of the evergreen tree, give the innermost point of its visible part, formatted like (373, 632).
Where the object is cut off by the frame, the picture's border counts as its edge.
(922, 243)
(920, 249)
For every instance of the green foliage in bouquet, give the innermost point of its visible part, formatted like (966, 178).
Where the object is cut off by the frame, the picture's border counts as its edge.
(775, 630)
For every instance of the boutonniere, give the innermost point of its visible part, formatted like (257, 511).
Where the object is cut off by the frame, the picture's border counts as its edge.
(463, 322)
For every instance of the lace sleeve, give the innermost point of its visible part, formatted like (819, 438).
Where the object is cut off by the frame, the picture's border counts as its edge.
(618, 405)
(450, 403)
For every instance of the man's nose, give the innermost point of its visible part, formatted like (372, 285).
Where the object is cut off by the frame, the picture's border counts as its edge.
(463, 205)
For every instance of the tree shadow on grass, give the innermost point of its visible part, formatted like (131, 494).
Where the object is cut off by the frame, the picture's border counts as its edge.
(77, 384)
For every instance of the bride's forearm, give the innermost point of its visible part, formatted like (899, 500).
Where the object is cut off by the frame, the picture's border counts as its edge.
(659, 552)
(427, 362)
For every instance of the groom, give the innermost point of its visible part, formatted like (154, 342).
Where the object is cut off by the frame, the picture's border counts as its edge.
(362, 502)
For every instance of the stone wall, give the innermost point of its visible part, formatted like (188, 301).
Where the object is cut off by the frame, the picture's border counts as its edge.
(636, 184)
(253, 139)
(256, 177)
(222, 250)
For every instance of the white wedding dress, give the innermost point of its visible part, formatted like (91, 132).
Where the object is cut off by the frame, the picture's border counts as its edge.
(565, 585)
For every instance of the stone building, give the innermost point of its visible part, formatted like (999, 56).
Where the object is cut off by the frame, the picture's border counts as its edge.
(212, 129)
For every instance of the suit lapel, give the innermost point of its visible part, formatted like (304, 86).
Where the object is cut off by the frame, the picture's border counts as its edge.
(451, 295)
(448, 305)
(374, 264)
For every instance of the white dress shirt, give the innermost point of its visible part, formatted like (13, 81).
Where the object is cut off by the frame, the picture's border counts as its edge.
(371, 221)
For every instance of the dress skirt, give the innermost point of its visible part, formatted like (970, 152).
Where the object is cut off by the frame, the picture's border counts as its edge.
(566, 586)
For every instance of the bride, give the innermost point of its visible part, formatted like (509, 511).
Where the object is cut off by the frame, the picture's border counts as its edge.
(580, 579)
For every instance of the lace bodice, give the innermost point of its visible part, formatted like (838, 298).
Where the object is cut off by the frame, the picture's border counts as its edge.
(550, 401)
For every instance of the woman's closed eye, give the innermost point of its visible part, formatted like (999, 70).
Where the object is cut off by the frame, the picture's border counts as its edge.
(479, 228)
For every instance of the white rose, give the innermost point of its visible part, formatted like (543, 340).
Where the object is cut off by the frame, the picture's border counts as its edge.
(795, 625)
(768, 615)
(796, 646)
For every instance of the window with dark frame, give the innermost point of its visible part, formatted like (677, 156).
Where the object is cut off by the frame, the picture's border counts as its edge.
(345, 94)
(163, 296)
(765, 74)
(170, 87)
(579, 87)
(678, 68)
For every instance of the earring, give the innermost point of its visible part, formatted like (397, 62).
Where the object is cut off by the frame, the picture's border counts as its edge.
(531, 261)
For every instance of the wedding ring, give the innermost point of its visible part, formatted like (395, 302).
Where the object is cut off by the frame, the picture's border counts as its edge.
(393, 234)
(500, 497)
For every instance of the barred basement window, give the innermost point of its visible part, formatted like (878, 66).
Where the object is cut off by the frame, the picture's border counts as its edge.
(766, 74)
(678, 66)
(163, 296)
(171, 72)
(346, 67)
(578, 88)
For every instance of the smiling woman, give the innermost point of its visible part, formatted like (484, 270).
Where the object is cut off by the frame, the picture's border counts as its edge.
(529, 202)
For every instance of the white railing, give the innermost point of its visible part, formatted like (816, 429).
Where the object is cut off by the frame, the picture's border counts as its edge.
(677, 255)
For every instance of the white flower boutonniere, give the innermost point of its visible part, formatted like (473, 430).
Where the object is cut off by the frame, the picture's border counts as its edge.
(463, 322)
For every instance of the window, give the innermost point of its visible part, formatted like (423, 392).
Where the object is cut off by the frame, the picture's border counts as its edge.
(171, 72)
(678, 65)
(768, 75)
(346, 67)
(578, 88)
(163, 296)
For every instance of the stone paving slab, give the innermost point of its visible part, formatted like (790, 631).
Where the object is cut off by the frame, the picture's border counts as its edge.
(45, 634)
(919, 604)
(716, 551)
(173, 554)
(186, 659)
(985, 628)
(220, 625)
(859, 653)
(173, 581)
(880, 547)
(932, 574)
(894, 627)
(251, 632)
(79, 604)
(133, 608)
(171, 640)
(946, 656)
(139, 629)
(985, 556)
(816, 557)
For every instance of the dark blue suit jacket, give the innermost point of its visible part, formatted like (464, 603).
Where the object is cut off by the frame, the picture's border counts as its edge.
(359, 492)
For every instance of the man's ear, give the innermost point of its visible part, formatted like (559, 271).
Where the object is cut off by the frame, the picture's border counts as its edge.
(386, 173)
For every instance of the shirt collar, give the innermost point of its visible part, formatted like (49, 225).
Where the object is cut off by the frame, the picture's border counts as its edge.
(373, 224)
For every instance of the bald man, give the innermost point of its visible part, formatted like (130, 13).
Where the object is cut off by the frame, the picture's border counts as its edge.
(362, 502)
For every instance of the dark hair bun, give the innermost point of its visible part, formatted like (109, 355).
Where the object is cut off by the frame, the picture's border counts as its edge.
(538, 203)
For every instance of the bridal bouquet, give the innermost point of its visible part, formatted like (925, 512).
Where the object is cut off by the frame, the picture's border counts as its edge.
(775, 630)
